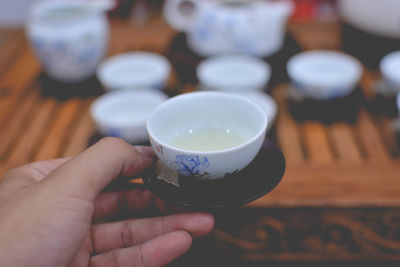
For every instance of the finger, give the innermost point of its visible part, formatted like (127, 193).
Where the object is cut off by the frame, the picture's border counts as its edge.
(88, 173)
(82, 257)
(161, 205)
(137, 200)
(122, 202)
(29, 173)
(123, 234)
(156, 252)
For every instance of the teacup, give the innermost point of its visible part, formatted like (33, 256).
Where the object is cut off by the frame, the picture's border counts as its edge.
(68, 37)
(123, 113)
(235, 72)
(134, 70)
(207, 135)
(324, 74)
(390, 68)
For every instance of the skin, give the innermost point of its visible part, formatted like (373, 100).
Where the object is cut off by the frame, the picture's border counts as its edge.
(47, 211)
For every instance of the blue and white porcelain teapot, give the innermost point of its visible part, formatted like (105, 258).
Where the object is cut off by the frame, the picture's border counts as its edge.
(227, 26)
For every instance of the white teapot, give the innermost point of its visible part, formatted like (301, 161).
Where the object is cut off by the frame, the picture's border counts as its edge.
(378, 17)
(227, 26)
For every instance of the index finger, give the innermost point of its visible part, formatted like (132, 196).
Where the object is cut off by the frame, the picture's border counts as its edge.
(124, 202)
(90, 172)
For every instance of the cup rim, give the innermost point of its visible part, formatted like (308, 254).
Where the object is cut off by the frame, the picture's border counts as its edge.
(122, 94)
(204, 68)
(260, 133)
(40, 8)
(110, 82)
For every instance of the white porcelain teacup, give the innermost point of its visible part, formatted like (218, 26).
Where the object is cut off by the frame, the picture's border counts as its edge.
(134, 70)
(207, 135)
(234, 73)
(69, 37)
(324, 74)
(123, 113)
(390, 68)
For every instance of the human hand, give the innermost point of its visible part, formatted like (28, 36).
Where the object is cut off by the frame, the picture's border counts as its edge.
(47, 208)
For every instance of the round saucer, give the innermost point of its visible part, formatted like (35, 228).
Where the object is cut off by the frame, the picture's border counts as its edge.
(254, 181)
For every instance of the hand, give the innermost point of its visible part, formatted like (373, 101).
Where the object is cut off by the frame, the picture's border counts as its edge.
(47, 208)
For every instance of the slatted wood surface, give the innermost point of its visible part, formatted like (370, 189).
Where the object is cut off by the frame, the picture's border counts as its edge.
(340, 165)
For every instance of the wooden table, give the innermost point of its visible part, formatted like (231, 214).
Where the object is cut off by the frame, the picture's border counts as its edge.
(340, 196)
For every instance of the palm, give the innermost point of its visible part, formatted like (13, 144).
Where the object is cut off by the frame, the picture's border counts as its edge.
(52, 212)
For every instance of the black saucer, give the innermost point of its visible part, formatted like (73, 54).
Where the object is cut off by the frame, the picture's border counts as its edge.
(368, 48)
(384, 101)
(185, 60)
(256, 180)
(327, 111)
(62, 90)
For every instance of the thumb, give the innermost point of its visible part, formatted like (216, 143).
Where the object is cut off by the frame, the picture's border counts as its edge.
(90, 172)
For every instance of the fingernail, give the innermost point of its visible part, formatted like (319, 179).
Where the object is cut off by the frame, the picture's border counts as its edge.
(146, 151)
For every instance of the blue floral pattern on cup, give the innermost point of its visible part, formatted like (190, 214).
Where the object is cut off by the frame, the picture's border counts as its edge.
(114, 132)
(192, 165)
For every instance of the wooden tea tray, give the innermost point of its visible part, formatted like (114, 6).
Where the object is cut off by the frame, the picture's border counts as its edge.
(348, 174)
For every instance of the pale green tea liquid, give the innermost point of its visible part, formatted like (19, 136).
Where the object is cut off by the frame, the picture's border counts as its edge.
(207, 139)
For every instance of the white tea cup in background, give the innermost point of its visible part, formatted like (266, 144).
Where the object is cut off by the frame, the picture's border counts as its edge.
(324, 74)
(390, 69)
(134, 70)
(233, 72)
(123, 113)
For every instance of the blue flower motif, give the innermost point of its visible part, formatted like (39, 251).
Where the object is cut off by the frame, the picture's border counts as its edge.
(203, 34)
(60, 46)
(246, 46)
(190, 165)
(114, 132)
(86, 55)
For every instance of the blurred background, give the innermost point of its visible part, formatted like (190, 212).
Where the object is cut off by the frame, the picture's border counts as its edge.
(328, 80)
